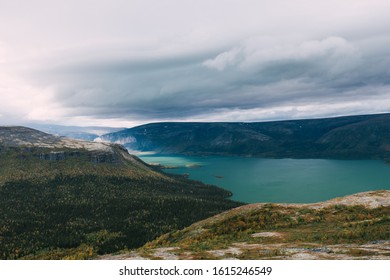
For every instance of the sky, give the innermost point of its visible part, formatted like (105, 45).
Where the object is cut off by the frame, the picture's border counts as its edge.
(122, 63)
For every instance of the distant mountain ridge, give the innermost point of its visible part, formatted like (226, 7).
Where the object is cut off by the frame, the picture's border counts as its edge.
(76, 132)
(351, 137)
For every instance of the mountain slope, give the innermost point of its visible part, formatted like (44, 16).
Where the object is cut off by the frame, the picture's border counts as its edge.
(353, 137)
(64, 198)
(355, 226)
(28, 153)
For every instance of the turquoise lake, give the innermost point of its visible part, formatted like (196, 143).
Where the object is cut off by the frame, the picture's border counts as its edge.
(281, 180)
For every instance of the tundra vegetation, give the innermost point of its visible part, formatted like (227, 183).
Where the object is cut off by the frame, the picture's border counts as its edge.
(278, 231)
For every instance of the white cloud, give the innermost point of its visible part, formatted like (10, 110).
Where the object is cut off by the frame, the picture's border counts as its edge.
(22, 101)
(333, 54)
(299, 111)
(221, 61)
(3, 53)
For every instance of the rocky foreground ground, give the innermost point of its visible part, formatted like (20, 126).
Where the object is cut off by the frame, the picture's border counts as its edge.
(346, 229)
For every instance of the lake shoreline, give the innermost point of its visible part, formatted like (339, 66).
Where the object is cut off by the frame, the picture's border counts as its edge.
(253, 179)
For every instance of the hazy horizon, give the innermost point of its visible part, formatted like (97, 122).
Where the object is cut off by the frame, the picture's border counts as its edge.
(56, 125)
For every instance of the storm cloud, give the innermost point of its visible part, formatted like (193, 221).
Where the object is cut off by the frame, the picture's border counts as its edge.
(131, 62)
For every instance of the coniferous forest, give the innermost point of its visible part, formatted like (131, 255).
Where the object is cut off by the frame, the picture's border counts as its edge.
(82, 216)
(60, 199)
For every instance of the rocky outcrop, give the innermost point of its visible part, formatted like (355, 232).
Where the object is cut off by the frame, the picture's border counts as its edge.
(59, 155)
(53, 156)
(24, 138)
(24, 141)
(104, 158)
(350, 227)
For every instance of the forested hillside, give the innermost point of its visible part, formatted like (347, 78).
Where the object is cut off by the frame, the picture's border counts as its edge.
(62, 198)
(353, 137)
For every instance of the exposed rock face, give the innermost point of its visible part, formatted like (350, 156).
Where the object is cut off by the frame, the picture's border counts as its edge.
(60, 155)
(23, 137)
(93, 156)
(104, 158)
(53, 156)
(18, 136)
(371, 199)
(54, 148)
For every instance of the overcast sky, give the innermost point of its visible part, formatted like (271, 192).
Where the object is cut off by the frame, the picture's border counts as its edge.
(127, 62)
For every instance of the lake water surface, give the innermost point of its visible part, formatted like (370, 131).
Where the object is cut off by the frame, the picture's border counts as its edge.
(281, 180)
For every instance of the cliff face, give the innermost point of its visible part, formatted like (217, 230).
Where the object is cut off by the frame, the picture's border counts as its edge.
(52, 148)
(93, 157)
(355, 137)
(28, 153)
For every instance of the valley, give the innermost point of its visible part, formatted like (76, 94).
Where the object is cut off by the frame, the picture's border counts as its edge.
(62, 198)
